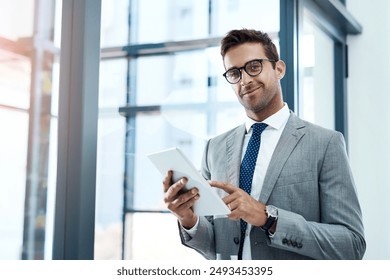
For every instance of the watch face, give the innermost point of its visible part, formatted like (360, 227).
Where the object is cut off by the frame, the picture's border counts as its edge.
(272, 211)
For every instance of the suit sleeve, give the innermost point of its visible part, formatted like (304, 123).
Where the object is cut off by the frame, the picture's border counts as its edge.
(340, 233)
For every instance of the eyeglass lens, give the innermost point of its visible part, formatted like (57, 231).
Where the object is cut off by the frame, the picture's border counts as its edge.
(252, 68)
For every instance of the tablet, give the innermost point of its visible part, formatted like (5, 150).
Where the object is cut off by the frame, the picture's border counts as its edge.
(209, 203)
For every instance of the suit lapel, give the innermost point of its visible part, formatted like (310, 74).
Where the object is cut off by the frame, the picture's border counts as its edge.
(290, 137)
(234, 144)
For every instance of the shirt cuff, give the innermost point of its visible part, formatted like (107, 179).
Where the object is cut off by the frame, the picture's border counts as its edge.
(192, 231)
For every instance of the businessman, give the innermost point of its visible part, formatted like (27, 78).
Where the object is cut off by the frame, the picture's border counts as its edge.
(287, 182)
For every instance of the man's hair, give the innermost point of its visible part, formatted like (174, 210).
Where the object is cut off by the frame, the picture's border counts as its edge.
(237, 37)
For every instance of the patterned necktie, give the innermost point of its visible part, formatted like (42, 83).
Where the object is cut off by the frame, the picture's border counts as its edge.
(249, 162)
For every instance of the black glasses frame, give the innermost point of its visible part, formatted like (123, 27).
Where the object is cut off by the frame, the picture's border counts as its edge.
(245, 69)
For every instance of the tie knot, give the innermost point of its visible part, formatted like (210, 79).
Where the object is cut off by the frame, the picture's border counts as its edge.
(258, 128)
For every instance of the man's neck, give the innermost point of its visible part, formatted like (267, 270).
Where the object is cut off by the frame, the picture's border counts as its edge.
(274, 107)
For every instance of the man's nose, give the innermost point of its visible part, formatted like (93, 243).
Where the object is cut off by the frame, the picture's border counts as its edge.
(245, 78)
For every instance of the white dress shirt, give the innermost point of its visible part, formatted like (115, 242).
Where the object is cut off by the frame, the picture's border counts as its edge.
(269, 139)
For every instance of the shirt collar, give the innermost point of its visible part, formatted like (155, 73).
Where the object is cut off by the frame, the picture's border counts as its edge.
(275, 121)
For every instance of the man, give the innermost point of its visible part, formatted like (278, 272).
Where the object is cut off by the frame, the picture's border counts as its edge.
(301, 202)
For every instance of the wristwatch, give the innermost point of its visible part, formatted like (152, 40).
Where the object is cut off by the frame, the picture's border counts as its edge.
(272, 214)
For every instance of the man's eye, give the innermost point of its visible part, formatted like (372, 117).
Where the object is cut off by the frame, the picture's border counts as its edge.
(255, 66)
(234, 74)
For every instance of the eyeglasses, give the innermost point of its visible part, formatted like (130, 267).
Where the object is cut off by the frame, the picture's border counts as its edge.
(252, 68)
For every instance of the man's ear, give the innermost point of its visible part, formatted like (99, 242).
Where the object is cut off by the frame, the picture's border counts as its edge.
(280, 68)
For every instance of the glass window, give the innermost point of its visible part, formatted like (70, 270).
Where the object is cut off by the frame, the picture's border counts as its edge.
(236, 14)
(168, 20)
(144, 245)
(15, 77)
(112, 84)
(13, 151)
(110, 163)
(114, 23)
(16, 22)
(109, 186)
(29, 140)
(187, 20)
(316, 98)
(14, 103)
(180, 78)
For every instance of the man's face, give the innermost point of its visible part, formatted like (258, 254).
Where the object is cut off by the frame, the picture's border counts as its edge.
(260, 95)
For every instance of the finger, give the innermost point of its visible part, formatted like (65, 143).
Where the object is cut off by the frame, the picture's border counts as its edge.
(231, 197)
(188, 204)
(167, 182)
(184, 198)
(233, 205)
(236, 212)
(229, 188)
(175, 188)
(234, 215)
(247, 210)
(183, 202)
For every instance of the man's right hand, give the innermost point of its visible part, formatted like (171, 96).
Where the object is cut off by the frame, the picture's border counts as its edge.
(179, 202)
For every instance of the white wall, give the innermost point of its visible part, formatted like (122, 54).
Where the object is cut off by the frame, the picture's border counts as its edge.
(369, 120)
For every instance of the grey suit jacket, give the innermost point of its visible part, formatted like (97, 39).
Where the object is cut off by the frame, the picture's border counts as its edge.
(308, 179)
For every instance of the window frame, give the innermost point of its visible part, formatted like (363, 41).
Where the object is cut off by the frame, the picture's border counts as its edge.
(334, 19)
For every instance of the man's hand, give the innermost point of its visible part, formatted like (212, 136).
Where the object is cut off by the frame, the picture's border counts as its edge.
(242, 205)
(179, 202)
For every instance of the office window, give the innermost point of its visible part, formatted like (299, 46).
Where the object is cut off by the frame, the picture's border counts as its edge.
(13, 150)
(28, 142)
(316, 98)
(320, 63)
(168, 20)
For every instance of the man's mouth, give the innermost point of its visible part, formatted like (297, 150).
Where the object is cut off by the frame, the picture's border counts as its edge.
(249, 91)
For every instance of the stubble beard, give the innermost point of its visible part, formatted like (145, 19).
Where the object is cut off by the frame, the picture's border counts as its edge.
(267, 99)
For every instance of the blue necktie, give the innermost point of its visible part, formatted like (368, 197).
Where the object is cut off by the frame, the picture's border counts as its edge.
(248, 164)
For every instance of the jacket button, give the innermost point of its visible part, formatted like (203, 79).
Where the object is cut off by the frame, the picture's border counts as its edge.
(236, 240)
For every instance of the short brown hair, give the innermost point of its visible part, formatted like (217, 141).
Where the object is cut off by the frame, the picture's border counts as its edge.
(237, 37)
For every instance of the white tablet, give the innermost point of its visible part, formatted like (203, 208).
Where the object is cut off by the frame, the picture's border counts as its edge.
(209, 203)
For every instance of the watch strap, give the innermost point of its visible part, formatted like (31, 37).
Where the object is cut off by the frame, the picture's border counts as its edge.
(272, 214)
(268, 224)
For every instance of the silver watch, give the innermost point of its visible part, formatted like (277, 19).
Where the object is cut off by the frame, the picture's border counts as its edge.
(272, 214)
